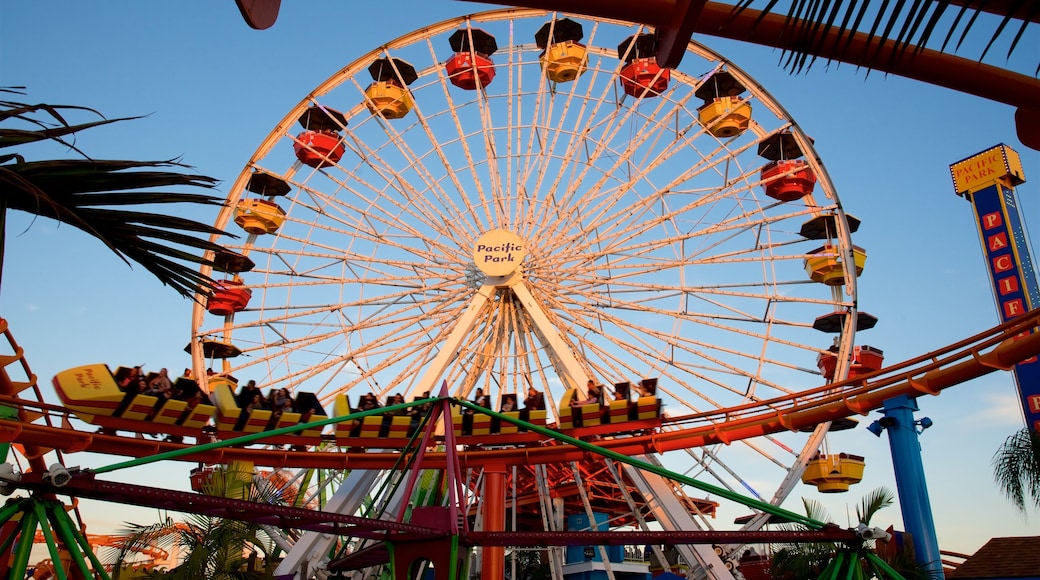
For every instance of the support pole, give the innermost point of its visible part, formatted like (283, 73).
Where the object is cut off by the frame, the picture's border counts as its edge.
(910, 482)
(494, 557)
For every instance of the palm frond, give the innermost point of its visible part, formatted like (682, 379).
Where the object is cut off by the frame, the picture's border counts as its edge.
(815, 509)
(107, 198)
(1016, 468)
(871, 503)
(904, 26)
(138, 538)
(52, 126)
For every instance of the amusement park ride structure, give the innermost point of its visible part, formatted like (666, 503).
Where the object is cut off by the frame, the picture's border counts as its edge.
(523, 219)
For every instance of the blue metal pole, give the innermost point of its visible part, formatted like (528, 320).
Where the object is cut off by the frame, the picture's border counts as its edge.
(910, 482)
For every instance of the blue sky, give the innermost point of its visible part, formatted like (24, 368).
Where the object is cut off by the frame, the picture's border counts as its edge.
(211, 89)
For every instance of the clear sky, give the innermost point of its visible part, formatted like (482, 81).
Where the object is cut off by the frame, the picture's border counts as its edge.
(212, 89)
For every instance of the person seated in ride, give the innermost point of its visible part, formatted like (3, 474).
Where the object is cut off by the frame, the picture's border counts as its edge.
(621, 393)
(388, 416)
(307, 405)
(368, 402)
(257, 403)
(418, 412)
(127, 378)
(279, 401)
(425, 408)
(398, 399)
(480, 398)
(535, 400)
(161, 388)
(160, 385)
(595, 395)
(508, 404)
(247, 393)
(193, 399)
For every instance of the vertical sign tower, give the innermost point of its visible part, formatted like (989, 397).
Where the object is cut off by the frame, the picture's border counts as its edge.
(987, 180)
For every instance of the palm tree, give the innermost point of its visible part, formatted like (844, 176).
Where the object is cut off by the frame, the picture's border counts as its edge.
(1016, 468)
(808, 561)
(212, 548)
(105, 198)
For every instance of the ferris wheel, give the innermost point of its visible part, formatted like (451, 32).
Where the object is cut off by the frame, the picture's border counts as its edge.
(522, 199)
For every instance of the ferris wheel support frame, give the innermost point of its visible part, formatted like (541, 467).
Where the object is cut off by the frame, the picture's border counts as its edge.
(569, 367)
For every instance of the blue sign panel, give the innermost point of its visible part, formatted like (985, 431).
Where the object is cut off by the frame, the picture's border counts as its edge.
(1014, 279)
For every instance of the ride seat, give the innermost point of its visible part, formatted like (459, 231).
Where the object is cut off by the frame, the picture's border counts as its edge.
(456, 420)
(398, 426)
(139, 407)
(566, 414)
(341, 408)
(194, 416)
(534, 417)
(371, 426)
(591, 414)
(617, 411)
(481, 424)
(286, 419)
(231, 417)
(310, 410)
(170, 412)
(648, 405)
(506, 426)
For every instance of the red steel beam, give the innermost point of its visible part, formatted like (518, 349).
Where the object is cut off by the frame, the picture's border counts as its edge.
(84, 485)
(831, 533)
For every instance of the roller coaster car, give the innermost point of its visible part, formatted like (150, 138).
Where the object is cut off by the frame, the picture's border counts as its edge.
(392, 431)
(231, 417)
(232, 420)
(93, 395)
(616, 416)
(480, 429)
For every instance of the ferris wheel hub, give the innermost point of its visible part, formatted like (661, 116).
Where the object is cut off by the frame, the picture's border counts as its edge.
(499, 252)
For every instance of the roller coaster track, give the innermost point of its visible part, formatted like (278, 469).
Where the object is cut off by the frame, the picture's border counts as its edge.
(999, 348)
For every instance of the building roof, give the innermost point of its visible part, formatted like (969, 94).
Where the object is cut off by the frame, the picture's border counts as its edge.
(1003, 558)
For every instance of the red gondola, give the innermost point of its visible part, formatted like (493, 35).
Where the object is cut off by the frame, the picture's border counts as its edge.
(318, 149)
(471, 66)
(229, 296)
(788, 180)
(865, 359)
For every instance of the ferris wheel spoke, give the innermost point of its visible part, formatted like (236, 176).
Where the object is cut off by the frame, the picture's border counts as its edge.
(419, 205)
(650, 339)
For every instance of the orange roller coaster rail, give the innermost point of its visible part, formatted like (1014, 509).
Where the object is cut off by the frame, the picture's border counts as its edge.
(999, 348)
